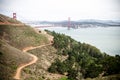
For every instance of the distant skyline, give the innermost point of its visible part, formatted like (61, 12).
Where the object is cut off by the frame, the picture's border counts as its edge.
(57, 10)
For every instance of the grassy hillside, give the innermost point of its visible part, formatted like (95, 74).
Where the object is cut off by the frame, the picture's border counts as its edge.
(21, 36)
(39, 71)
(4, 18)
(12, 40)
(10, 59)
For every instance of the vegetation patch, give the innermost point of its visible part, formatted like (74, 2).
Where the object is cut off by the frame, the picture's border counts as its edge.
(84, 60)
(64, 78)
(14, 67)
(10, 59)
(22, 36)
(1, 53)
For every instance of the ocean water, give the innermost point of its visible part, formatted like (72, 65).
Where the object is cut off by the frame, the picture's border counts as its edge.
(105, 39)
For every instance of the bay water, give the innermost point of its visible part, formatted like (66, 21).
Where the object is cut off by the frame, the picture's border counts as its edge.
(107, 39)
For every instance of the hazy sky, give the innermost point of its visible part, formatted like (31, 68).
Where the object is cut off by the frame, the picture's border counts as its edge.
(53, 10)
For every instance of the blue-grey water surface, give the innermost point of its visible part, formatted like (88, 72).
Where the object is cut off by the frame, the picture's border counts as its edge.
(106, 39)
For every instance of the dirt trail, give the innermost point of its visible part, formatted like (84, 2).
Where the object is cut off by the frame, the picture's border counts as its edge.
(18, 71)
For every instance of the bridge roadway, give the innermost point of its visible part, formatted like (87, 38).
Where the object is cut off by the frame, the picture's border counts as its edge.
(42, 26)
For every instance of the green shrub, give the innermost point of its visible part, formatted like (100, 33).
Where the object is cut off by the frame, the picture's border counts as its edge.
(82, 58)
(1, 53)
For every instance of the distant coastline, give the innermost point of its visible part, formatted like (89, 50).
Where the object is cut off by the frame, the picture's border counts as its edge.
(106, 39)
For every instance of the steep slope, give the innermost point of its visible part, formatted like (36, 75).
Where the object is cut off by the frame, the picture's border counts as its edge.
(17, 38)
(21, 36)
(38, 71)
(4, 18)
(84, 60)
(10, 59)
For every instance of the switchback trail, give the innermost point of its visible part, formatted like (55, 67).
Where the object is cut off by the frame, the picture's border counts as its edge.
(18, 71)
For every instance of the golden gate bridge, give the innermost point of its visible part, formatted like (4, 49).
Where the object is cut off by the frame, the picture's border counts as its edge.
(4, 21)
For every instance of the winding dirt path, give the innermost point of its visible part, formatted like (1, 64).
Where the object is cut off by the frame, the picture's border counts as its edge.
(18, 71)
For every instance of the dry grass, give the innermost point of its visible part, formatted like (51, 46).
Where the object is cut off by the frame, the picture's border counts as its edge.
(22, 36)
(38, 71)
(10, 59)
(4, 18)
(12, 40)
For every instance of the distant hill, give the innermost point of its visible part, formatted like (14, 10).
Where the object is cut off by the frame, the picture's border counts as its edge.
(81, 23)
